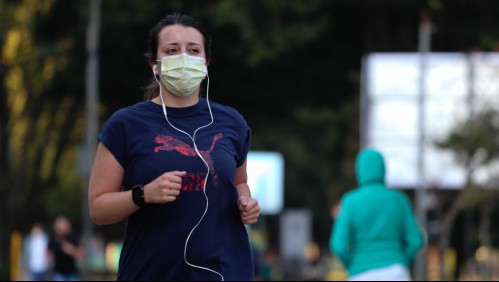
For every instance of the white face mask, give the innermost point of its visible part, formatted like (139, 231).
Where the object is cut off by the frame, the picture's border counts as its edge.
(182, 74)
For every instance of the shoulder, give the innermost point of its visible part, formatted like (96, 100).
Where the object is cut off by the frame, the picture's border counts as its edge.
(398, 196)
(226, 110)
(130, 110)
(229, 116)
(349, 196)
(397, 193)
(126, 114)
(403, 197)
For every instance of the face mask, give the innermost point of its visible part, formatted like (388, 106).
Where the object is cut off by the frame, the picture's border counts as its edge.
(182, 74)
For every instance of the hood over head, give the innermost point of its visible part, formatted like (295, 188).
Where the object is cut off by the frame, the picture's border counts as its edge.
(370, 167)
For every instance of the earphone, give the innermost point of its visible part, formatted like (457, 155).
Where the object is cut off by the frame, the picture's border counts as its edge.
(200, 156)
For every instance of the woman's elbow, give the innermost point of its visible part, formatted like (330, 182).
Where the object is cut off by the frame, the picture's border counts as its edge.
(99, 219)
(96, 217)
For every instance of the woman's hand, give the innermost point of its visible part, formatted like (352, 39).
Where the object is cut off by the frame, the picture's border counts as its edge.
(249, 209)
(165, 188)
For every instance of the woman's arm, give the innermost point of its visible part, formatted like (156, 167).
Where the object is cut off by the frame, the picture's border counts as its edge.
(248, 207)
(107, 202)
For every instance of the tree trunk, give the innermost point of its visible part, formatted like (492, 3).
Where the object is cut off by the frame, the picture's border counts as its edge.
(449, 219)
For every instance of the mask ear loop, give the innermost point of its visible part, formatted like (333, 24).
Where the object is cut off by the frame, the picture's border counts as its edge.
(200, 156)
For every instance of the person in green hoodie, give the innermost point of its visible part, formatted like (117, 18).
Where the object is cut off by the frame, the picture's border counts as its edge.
(376, 234)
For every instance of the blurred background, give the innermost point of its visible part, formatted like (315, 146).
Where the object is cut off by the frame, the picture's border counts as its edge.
(316, 80)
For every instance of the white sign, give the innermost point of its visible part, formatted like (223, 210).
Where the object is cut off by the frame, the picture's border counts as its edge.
(391, 110)
(266, 180)
(295, 232)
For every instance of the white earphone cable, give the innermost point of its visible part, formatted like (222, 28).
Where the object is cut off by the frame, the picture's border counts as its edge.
(200, 156)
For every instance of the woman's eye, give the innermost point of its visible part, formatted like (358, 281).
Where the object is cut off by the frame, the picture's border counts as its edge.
(194, 51)
(171, 51)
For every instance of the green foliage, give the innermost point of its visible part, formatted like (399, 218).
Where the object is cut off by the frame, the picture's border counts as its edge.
(264, 30)
(475, 144)
(41, 98)
(475, 141)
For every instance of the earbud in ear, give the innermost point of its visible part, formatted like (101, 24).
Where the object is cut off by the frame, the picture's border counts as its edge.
(154, 68)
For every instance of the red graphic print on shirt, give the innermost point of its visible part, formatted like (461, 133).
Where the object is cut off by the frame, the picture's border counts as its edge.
(191, 181)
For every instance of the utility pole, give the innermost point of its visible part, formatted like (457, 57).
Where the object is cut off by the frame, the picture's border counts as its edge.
(421, 191)
(91, 106)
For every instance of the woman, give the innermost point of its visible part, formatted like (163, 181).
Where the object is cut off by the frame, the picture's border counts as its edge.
(175, 167)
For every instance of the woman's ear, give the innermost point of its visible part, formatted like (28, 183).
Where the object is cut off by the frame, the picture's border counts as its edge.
(154, 67)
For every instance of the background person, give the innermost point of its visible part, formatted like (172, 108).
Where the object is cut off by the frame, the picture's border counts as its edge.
(376, 235)
(64, 250)
(36, 261)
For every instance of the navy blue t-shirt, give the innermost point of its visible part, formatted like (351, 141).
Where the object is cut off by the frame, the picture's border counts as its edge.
(147, 146)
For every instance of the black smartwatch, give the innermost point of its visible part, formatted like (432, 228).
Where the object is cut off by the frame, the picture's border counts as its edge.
(138, 195)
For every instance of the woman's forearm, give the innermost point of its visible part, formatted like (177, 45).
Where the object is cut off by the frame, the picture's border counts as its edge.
(112, 207)
(243, 189)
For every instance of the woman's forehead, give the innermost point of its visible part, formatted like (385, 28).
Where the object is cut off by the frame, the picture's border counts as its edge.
(178, 34)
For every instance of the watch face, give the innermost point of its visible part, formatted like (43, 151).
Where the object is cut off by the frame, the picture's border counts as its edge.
(138, 195)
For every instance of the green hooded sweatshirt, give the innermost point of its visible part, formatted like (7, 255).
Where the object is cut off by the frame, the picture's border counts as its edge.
(376, 226)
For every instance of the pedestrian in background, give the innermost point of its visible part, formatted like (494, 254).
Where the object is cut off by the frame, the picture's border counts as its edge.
(376, 234)
(64, 249)
(35, 248)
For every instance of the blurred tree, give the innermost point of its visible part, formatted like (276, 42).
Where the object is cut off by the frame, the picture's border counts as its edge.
(40, 119)
(265, 30)
(474, 143)
(6, 19)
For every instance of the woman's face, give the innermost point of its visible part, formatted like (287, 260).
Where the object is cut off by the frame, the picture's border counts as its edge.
(177, 39)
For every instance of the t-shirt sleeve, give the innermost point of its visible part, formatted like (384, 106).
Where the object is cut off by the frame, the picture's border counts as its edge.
(112, 135)
(245, 143)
